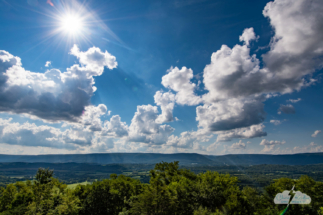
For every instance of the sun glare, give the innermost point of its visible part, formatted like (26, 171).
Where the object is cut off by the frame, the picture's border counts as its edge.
(71, 24)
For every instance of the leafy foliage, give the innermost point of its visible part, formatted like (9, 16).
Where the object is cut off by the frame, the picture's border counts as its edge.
(171, 190)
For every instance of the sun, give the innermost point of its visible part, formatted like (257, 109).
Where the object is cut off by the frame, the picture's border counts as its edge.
(71, 24)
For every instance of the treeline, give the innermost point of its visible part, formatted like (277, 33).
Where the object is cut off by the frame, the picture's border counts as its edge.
(260, 176)
(171, 190)
(257, 176)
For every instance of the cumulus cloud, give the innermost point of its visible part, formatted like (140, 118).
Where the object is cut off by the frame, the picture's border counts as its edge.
(48, 63)
(265, 142)
(115, 127)
(247, 132)
(53, 95)
(237, 84)
(189, 139)
(230, 114)
(247, 36)
(232, 73)
(287, 109)
(29, 134)
(166, 101)
(234, 98)
(239, 145)
(101, 144)
(87, 134)
(144, 120)
(91, 117)
(236, 73)
(270, 145)
(297, 45)
(94, 59)
(316, 133)
(145, 129)
(294, 100)
(179, 80)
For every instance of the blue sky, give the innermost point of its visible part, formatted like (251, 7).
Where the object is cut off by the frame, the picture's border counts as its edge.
(212, 77)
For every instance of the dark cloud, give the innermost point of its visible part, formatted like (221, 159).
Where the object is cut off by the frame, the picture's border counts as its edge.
(230, 114)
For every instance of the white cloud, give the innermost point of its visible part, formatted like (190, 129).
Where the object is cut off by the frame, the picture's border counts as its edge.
(91, 117)
(230, 114)
(247, 132)
(294, 100)
(316, 133)
(233, 106)
(53, 95)
(87, 134)
(28, 134)
(313, 144)
(166, 101)
(270, 145)
(102, 144)
(144, 120)
(232, 73)
(275, 122)
(237, 84)
(287, 109)
(189, 139)
(48, 63)
(145, 129)
(265, 142)
(213, 147)
(312, 147)
(247, 36)
(234, 99)
(94, 59)
(115, 127)
(238, 145)
(297, 45)
(180, 81)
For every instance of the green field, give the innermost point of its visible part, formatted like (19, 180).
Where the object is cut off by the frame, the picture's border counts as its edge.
(73, 186)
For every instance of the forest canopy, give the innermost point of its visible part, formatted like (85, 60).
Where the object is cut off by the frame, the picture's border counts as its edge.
(171, 190)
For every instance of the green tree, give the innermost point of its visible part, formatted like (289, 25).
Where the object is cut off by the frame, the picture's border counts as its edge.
(158, 197)
(320, 211)
(304, 184)
(7, 197)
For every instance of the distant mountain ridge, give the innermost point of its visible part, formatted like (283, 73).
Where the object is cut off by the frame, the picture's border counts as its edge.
(257, 159)
(109, 158)
(183, 158)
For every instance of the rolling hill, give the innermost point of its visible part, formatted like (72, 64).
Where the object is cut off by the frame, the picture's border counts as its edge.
(183, 158)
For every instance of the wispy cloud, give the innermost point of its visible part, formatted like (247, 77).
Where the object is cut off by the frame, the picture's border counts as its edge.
(294, 100)
(316, 133)
(48, 63)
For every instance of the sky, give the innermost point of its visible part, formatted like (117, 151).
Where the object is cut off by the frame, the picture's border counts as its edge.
(166, 76)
